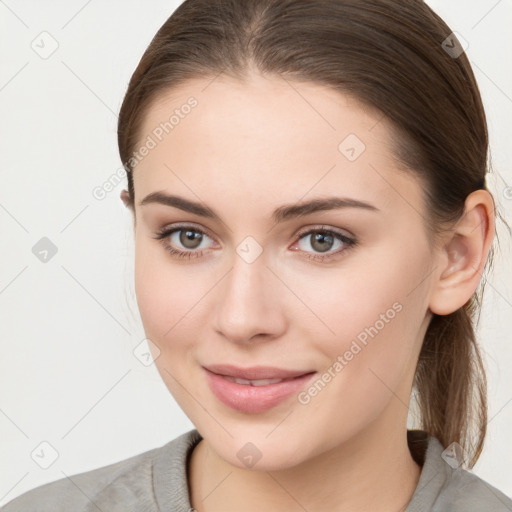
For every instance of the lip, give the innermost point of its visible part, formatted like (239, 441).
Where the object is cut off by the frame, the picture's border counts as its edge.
(254, 399)
(255, 372)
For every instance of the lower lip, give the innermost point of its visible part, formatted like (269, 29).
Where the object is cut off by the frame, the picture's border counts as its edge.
(254, 399)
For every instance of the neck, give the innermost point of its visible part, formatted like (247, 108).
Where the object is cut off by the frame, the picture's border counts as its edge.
(371, 471)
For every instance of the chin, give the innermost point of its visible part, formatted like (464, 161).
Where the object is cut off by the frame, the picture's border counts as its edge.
(257, 452)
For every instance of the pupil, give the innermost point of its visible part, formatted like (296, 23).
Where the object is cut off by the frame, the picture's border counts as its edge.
(324, 240)
(190, 239)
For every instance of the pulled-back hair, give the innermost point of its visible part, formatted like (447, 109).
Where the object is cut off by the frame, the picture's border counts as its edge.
(396, 56)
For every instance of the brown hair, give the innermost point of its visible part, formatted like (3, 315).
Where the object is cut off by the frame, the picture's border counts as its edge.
(389, 55)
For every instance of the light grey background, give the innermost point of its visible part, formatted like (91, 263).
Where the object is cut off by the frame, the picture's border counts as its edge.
(68, 374)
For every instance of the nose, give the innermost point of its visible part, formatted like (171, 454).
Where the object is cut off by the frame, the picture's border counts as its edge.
(250, 303)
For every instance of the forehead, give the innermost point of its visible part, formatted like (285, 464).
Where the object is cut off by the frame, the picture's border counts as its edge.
(268, 137)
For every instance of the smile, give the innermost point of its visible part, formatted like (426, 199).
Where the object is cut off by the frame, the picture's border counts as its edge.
(253, 396)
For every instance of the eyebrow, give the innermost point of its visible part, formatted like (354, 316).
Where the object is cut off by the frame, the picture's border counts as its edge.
(281, 214)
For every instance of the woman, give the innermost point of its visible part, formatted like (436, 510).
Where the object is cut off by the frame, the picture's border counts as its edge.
(311, 221)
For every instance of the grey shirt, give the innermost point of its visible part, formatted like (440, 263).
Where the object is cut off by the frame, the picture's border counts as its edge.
(156, 481)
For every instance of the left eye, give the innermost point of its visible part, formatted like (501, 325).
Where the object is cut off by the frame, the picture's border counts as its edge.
(323, 240)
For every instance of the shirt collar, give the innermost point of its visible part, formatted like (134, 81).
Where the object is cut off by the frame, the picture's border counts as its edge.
(170, 482)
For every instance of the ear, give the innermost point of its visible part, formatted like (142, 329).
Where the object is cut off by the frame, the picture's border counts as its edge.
(125, 197)
(463, 255)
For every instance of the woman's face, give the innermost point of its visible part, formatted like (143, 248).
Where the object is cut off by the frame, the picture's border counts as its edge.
(251, 288)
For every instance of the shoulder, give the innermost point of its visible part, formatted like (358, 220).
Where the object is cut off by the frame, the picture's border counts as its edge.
(463, 491)
(78, 491)
(124, 485)
(445, 485)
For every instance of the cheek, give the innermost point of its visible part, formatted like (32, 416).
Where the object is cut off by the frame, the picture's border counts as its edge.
(375, 316)
(171, 297)
(368, 363)
(382, 292)
(158, 289)
(150, 286)
(166, 294)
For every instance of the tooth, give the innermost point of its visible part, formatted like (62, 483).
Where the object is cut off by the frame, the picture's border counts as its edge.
(264, 382)
(259, 382)
(242, 381)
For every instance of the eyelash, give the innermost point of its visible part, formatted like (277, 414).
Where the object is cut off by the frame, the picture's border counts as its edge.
(349, 243)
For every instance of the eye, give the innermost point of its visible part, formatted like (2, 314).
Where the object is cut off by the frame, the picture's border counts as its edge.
(187, 237)
(325, 242)
(187, 241)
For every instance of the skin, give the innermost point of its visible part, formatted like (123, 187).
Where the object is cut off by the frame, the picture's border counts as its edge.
(245, 149)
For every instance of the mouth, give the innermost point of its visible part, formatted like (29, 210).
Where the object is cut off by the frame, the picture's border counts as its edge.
(256, 389)
(258, 382)
(256, 373)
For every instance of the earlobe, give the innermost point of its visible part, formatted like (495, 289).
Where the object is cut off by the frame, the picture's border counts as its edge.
(462, 259)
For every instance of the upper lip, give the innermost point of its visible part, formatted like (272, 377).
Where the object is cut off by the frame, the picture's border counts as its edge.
(255, 372)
